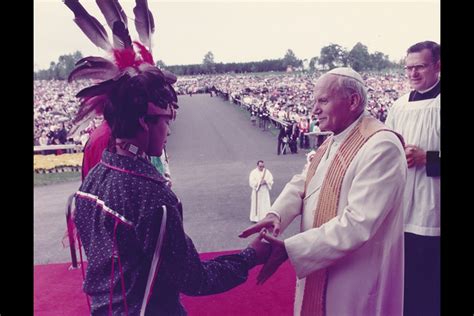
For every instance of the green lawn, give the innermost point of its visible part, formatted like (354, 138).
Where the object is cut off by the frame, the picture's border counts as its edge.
(41, 179)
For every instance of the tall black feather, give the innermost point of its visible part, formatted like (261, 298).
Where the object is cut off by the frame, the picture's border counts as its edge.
(93, 67)
(104, 87)
(95, 59)
(121, 36)
(98, 89)
(144, 22)
(112, 12)
(89, 25)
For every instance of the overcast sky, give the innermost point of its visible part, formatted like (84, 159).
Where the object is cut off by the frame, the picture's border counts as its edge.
(242, 31)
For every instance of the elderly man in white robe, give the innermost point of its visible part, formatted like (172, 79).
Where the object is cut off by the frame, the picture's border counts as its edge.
(417, 116)
(261, 181)
(348, 256)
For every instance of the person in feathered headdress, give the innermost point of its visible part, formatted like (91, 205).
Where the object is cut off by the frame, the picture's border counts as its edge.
(124, 54)
(128, 219)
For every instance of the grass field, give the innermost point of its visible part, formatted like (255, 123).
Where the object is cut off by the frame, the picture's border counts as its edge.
(41, 179)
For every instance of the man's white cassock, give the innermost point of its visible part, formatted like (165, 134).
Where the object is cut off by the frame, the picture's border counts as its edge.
(419, 123)
(362, 247)
(260, 200)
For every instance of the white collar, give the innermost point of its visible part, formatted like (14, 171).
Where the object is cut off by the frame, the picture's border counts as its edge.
(342, 135)
(424, 91)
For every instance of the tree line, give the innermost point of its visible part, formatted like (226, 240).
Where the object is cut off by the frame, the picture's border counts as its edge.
(331, 56)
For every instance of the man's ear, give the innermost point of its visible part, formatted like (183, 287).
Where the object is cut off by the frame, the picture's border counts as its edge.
(143, 124)
(355, 101)
(437, 66)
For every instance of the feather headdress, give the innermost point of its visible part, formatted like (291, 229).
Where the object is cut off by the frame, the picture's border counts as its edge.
(128, 57)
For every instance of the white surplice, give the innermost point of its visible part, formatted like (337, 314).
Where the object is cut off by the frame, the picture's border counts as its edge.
(419, 122)
(362, 247)
(260, 199)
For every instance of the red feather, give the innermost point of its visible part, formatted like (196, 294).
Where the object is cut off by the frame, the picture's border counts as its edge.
(124, 58)
(90, 104)
(97, 103)
(145, 53)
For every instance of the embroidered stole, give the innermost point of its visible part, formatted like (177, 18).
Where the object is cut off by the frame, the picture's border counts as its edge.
(263, 177)
(256, 191)
(314, 297)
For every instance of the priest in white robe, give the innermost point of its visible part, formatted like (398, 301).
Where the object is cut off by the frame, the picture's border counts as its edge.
(417, 117)
(348, 257)
(261, 181)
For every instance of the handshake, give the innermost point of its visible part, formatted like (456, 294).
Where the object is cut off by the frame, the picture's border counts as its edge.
(271, 252)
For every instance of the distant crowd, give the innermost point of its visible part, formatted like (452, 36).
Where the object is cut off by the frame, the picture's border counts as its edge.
(284, 96)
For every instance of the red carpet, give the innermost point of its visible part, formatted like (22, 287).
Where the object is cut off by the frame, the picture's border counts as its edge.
(58, 292)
